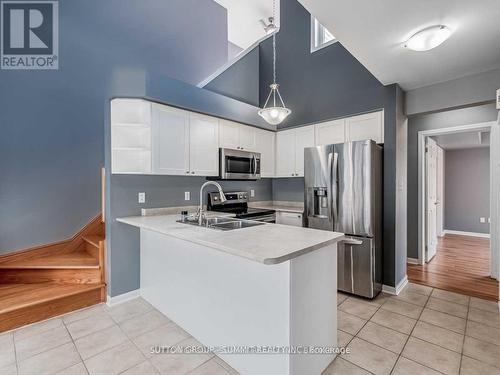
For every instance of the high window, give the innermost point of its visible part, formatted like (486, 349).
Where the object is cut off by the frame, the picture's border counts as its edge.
(320, 36)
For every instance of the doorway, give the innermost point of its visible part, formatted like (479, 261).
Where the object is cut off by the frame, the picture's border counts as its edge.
(454, 212)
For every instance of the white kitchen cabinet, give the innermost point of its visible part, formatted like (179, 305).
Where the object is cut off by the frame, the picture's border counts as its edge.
(170, 140)
(236, 136)
(285, 153)
(367, 126)
(265, 144)
(130, 136)
(304, 137)
(290, 145)
(330, 132)
(184, 143)
(289, 218)
(203, 145)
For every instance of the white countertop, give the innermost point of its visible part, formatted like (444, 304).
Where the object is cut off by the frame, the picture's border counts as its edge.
(268, 243)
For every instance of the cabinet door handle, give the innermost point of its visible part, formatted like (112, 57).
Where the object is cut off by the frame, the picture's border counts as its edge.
(241, 148)
(192, 172)
(187, 172)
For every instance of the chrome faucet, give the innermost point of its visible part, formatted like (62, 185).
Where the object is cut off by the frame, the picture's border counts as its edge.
(200, 209)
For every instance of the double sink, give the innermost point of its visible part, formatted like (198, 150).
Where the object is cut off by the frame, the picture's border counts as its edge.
(221, 223)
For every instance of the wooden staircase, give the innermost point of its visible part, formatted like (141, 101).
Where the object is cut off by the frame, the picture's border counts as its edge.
(50, 280)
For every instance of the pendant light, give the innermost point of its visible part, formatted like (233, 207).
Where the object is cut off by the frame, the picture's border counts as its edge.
(276, 113)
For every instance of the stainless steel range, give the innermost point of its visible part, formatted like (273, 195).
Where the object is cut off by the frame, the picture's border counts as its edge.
(237, 203)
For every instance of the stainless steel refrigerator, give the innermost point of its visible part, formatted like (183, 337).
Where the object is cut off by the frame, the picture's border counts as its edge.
(343, 193)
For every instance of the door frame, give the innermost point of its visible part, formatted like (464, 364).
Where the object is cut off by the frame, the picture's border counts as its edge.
(422, 135)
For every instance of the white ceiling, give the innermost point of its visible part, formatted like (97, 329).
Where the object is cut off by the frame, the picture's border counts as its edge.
(374, 32)
(244, 27)
(463, 140)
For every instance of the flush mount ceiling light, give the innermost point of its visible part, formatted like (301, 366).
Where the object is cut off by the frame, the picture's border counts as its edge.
(276, 113)
(428, 38)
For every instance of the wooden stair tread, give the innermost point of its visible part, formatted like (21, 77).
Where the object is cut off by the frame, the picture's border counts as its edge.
(93, 239)
(72, 260)
(18, 296)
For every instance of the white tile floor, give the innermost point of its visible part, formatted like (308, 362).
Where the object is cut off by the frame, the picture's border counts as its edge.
(421, 331)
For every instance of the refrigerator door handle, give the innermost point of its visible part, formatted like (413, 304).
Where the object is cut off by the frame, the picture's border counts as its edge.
(352, 271)
(334, 183)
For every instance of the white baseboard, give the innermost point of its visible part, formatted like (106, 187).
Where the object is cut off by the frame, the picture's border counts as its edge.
(116, 300)
(395, 290)
(472, 234)
(412, 261)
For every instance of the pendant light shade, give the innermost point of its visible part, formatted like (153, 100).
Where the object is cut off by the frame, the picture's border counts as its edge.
(276, 112)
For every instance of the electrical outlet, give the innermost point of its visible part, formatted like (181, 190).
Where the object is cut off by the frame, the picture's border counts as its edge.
(141, 197)
(482, 220)
(489, 220)
(187, 196)
(252, 192)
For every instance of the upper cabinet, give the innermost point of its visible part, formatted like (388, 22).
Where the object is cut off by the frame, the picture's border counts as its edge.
(265, 144)
(203, 145)
(330, 132)
(170, 129)
(151, 138)
(290, 145)
(130, 136)
(236, 136)
(355, 128)
(184, 143)
(367, 126)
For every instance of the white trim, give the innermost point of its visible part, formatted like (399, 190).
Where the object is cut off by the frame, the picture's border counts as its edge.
(422, 134)
(315, 48)
(395, 290)
(234, 60)
(412, 261)
(472, 234)
(116, 300)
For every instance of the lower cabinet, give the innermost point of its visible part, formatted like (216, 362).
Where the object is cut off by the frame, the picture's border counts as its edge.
(289, 218)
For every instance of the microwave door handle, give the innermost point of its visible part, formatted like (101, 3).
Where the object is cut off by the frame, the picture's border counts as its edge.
(254, 165)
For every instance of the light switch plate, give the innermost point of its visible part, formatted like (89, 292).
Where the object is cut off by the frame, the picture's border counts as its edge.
(141, 197)
(252, 192)
(187, 196)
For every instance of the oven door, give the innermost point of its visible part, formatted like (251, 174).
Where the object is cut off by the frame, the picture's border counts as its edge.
(239, 165)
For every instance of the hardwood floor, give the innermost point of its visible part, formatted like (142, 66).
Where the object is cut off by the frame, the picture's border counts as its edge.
(462, 265)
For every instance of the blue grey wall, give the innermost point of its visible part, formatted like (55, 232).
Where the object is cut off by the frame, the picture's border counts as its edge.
(241, 80)
(51, 148)
(437, 120)
(467, 189)
(288, 189)
(327, 84)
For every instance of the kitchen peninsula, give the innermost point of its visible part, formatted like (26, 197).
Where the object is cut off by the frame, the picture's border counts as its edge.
(263, 286)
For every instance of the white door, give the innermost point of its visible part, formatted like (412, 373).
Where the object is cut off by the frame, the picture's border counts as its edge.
(170, 136)
(285, 153)
(440, 192)
(304, 137)
(431, 198)
(229, 134)
(331, 132)
(265, 144)
(247, 137)
(203, 145)
(368, 126)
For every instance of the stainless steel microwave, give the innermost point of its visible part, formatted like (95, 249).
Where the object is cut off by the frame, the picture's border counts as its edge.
(239, 165)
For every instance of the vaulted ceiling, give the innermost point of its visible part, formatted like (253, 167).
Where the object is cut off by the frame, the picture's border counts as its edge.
(375, 31)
